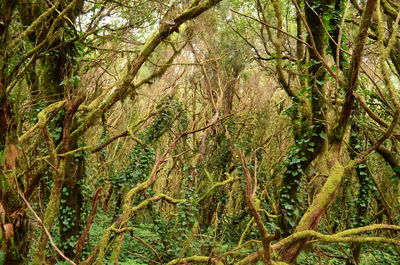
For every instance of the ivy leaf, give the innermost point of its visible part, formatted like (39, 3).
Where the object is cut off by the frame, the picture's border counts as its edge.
(288, 207)
(323, 135)
(186, 167)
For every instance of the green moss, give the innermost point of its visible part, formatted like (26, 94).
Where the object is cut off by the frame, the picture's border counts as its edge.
(323, 199)
(195, 259)
(43, 119)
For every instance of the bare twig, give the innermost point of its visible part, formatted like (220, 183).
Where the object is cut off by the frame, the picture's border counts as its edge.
(53, 244)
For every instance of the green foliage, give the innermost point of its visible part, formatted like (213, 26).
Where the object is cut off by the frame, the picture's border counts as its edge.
(299, 157)
(141, 162)
(2, 257)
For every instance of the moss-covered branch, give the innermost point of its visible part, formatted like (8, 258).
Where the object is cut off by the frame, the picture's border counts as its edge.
(277, 42)
(373, 116)
(160, 72)
(157, 197)
(385, 136)
(214, 186)
(385, 51)
(347, 236)
(196, 259)
(43, 119)
(344, 236)
(266, 238)
(51, 212)
(126, 83)
(316, 210)
(51, 35)
(352, 76)
(34, 25)
(120, 225)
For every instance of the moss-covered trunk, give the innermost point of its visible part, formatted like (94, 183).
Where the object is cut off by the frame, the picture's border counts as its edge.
(13, 224)
(310, 131)
(71, 223)
(334, 155)
(320, 203)
(365, 190)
